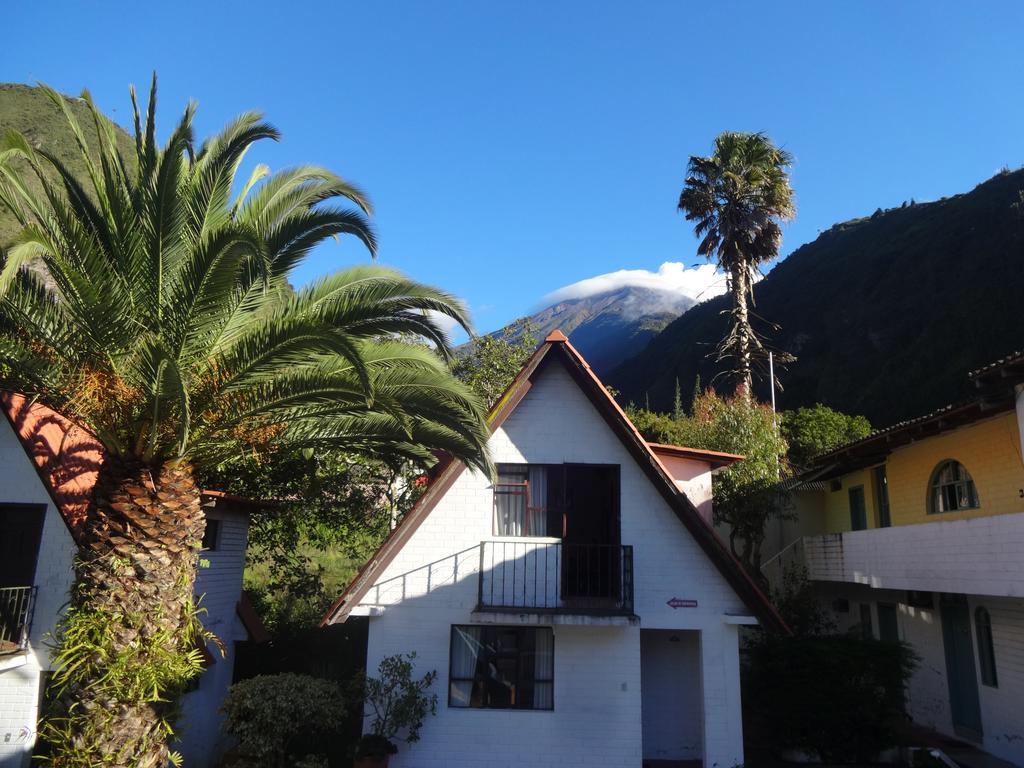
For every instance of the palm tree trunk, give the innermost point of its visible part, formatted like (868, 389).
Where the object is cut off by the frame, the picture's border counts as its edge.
(741, 331)
(130, 622)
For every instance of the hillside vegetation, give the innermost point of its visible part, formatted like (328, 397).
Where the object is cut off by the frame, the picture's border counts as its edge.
(28, 110)
(885, 314)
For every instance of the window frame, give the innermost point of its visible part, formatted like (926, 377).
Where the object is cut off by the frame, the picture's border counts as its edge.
(935, 488)
(986, 647)
(217, 528)
(519, 662)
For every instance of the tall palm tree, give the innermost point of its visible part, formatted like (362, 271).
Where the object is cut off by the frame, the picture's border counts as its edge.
(738, 196)
(171, 332)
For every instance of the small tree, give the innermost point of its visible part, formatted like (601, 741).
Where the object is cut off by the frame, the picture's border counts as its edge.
(747, 494)
(279, 719)
(814, 430)
(396, 701)
(493, 361)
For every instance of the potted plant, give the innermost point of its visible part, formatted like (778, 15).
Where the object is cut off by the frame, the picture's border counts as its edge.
(396, 705)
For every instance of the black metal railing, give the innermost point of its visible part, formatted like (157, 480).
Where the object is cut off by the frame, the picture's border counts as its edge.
(16, 606)
(551, 577)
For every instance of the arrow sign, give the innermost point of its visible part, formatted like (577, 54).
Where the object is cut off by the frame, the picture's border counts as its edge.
(678, 602)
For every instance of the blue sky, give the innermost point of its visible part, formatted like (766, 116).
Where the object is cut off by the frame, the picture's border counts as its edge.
(514, 148)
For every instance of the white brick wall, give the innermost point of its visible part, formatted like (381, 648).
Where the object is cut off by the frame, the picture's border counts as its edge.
(977, 556)
(432, 584)
(19, 686)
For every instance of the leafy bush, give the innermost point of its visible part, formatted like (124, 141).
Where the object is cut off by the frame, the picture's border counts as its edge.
(839, 697)
(817, 429)
(282, 719)
(396, 702)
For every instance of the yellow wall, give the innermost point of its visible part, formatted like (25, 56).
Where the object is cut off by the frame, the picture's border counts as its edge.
(989, 450)
(837, 503)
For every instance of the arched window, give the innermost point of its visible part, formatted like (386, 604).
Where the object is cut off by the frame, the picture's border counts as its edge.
(986, 652)
(951, 488)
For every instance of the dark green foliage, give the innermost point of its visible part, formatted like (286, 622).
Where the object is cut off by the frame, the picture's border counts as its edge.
(839, 697)
(818, 428)
(886, 316)
(489, 363)
(279, 719)
(372, 745)
(799, 605)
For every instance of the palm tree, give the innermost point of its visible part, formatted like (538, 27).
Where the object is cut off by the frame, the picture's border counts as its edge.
(738, 197)
(171, 333)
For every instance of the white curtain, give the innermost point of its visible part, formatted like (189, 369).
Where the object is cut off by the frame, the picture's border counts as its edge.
(543, 669)
(538, 511)
(465, 650)
(510, 496)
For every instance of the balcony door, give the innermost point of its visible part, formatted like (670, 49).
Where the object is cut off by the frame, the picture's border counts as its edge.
(591, 557)
(21, 527)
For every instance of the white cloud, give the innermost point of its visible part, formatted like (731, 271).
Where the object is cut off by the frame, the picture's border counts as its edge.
(448, 324)
(698, 283)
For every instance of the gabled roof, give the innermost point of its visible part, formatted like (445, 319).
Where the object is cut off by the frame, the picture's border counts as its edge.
(994, 383)
(556, 349)
(67, 458)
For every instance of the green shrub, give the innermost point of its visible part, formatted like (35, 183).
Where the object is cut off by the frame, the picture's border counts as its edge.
(395, 703)
(282, 719)
(839, 696)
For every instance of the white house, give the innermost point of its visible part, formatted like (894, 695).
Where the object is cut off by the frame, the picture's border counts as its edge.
(580, 610)
(47, 470)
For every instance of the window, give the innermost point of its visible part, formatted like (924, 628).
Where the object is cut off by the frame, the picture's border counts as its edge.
(882, 497)
(951, 488)
(211, 536)
(986, 652)
(501, 668)
(528, 500)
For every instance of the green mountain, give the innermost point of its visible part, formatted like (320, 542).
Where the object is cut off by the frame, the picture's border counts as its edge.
(885, 314)
(28, 110)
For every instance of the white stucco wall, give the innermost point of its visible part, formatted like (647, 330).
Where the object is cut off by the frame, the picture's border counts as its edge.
(432, 584)
(20, 673)
(694, 479)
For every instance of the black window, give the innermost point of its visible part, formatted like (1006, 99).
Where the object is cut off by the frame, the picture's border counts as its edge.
(211, 537)
(21, 528)
(529, 500)
(951, 488)
(501, 668)
(986, 651)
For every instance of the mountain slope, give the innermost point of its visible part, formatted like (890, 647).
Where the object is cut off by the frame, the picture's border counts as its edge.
(886, 314)
(28, 110)
(609, 327)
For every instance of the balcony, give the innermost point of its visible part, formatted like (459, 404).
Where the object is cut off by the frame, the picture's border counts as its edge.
(978, 556)
(548, 578)
(16, 605)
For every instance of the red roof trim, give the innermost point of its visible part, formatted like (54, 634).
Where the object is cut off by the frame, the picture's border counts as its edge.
(717, 458)
(558, 345)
